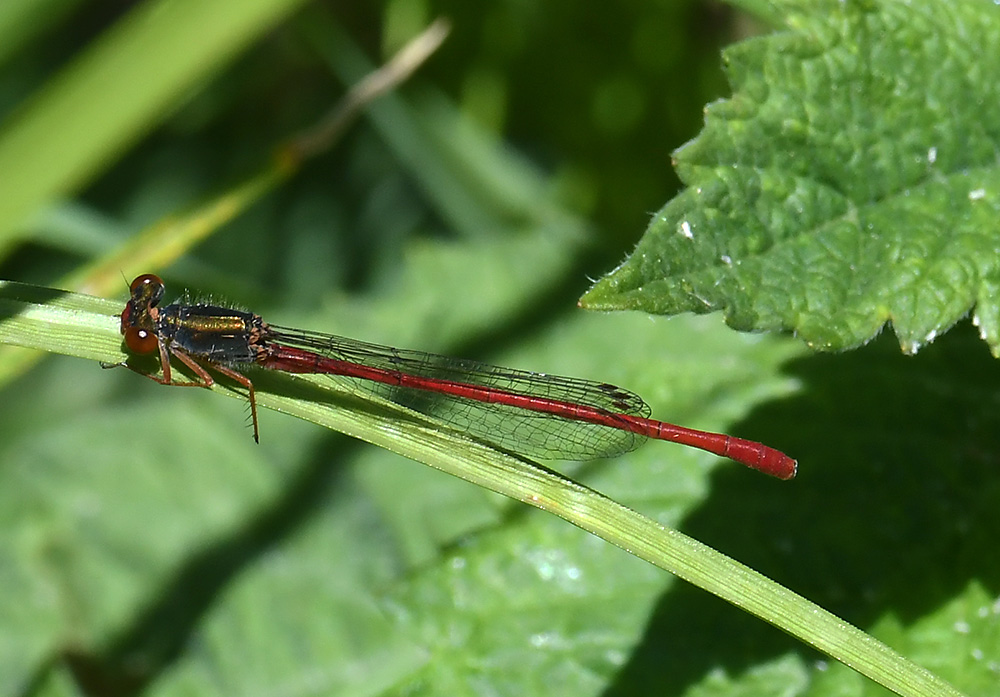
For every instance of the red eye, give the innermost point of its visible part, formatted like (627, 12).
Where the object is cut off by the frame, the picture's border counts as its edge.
(140, 341)
(143, 280)
(126, 318)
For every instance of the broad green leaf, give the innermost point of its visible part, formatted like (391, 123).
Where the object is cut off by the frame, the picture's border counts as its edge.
(529, 595)
(850, 182)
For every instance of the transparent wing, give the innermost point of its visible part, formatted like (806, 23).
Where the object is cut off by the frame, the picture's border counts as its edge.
(511, 427)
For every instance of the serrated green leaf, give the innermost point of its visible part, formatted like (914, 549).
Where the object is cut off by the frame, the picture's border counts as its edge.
(850, 182)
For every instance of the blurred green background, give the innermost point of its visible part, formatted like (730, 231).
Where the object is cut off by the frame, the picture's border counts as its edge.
(577, 91)
(150, 547)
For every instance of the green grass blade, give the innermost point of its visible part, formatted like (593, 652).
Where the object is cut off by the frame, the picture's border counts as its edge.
(87, 327)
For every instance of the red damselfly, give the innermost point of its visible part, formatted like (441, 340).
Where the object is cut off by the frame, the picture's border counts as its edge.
(530, 414)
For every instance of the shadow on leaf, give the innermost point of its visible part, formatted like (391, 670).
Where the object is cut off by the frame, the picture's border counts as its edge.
(893, 512)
